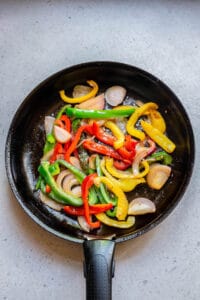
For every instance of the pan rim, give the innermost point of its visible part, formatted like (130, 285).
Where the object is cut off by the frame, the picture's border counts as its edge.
(145, 228)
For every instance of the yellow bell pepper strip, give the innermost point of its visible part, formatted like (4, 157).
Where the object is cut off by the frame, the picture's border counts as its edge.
(134, 118)
(157, 120)
(129, 184)
(91, 94)
(117, 133)
(102, 217)
(125, 174)
(126, 184)
(122, 202)
(158, 137)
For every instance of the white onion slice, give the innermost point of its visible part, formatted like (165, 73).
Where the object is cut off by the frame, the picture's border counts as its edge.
(83, 223)
(48, 124)
(141, 206)
(80, 90)
(75, 162)
(61, 135)
(49, 202)
(158, 175)
(61, 177)
(115, 95)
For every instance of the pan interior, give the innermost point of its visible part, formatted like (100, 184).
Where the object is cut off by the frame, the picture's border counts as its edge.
(26, 139)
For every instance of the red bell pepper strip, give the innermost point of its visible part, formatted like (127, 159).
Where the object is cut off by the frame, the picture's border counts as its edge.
(128, 155)
(121, 165)
(102, 136)
(67, 122)
(58, 149)
(130, 143)
(88, 181)
(64, 122)
(102, 149)
(75, 141)
(127, 152)
(93, 209)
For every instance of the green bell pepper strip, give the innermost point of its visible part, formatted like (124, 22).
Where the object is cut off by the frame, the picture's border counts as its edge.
(38, 183)
(49, 143)
(54, 169)
(57, 194)
(80, 176)
(162, 156)
(78, 173)
(98, 114)
(76, 123)
(61, 111)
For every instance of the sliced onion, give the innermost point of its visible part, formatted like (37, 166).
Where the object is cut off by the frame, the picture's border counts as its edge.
(140, 154)
(151, 148)
(158, 175)
(115, 95)
(48, 124)
(61, 135)
(83, 223)
(68, 182)
(61, 177)
(141, 206)
(80, 90)
(75, 162)
(76, 191)
(97, 103)
(49, 202)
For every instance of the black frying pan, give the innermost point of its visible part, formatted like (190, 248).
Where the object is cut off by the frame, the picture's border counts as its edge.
(24, 149)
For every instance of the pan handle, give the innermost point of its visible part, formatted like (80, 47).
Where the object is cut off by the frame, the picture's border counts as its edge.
(98, 268)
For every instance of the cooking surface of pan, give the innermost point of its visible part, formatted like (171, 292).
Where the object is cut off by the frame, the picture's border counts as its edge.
(26, 139)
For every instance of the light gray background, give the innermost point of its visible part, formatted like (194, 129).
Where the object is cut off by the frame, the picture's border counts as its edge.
(38, 38)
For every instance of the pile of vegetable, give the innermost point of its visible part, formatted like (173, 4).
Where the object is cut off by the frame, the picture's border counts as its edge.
(93, 156)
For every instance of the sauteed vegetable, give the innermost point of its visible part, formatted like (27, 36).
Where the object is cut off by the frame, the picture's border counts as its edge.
(97, 150)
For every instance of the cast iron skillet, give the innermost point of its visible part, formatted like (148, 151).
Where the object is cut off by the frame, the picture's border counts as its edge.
(24, 149)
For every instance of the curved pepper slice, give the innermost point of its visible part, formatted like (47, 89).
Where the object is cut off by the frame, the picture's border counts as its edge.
(117, 133)
(75, 141)
(57, 194)
(122, 202)
(114, 223)
(125, 174)
(102, 149)
(135, 116)
(158, 137)
(93, 209)
(102, 136)
(157, 120)
(127, 184)
(91, 94)
(86, 185)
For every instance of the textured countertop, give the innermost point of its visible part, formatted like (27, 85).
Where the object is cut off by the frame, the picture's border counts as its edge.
(38, 38)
